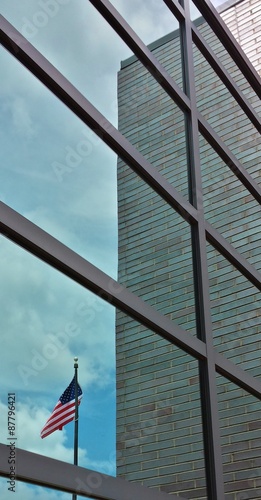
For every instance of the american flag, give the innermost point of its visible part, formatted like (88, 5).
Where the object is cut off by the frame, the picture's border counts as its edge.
(64, 410)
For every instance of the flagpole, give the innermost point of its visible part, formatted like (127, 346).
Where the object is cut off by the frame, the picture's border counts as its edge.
(74, 496)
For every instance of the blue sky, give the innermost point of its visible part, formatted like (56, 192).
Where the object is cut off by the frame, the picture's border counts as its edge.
(62, 177)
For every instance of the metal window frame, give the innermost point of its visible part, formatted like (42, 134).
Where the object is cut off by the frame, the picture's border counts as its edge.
(48, 472)
(207, 369)
(59, 475)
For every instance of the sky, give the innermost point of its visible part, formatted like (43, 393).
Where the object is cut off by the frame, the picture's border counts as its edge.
(60, 176)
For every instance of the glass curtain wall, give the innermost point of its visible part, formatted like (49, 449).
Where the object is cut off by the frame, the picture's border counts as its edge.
(183, 275)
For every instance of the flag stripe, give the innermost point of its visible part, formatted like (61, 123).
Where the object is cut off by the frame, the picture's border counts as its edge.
(65, 416)
(57, 419)
(54, 424)
(48, 430)
(59, 409)
(64, 410)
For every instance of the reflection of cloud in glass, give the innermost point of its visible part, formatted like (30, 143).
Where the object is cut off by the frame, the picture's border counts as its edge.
(150, 20)
(48, 318)
(218, 2)
(20, 118)
(29, 419)
(79, 207)
(24, 491)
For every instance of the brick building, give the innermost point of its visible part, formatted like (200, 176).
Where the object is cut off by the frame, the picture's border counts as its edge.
(188, 324)
(159, 410)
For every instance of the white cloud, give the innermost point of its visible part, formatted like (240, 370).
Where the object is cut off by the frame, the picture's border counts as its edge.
(100, 205)
(41, 217)
(50, 319)
(25, 492)
(29, 422)
(151, 19)
(28, 181)
(21, 118)
(89, 61)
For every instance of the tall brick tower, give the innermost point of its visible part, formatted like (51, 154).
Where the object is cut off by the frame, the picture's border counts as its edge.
(159, 423)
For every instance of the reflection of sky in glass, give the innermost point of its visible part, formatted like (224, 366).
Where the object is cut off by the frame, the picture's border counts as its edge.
(46, 320)
(195, 13)
(25, 491)
(217, 3)
(60, 175)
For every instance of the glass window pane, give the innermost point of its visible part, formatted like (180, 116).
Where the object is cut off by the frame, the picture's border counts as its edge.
(46, 320)
(153, 123)
(159, 427)
(92, 63)
(56, 172)
(150, 20)
(224, 58)
(194, 12)
(155, 254)
(235, 310)
(218, 4)
(155, 24)
(26, 491)
(229, 206)
(66, 34)
(225, 116)
(240, 417)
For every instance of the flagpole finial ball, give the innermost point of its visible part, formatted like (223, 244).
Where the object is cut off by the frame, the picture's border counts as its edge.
(75, 360)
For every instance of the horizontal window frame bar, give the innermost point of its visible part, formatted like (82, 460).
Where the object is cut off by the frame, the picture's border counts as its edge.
(140, 49)
(220, 28)
(228, 157)
(41, 244)
(232, 255)
(18, 46)
(218, 67)
(237, 375)
(38, 65)
(44, 246)
(62, 476)
(224, 76)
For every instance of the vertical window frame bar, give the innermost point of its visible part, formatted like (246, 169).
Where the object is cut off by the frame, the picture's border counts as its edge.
(207, 368)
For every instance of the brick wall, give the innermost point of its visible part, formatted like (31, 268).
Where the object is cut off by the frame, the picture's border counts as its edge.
(159, 430)
(244, 21)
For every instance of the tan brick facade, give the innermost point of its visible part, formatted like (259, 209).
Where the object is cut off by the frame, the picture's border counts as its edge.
(244, 22)
(159, 427)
